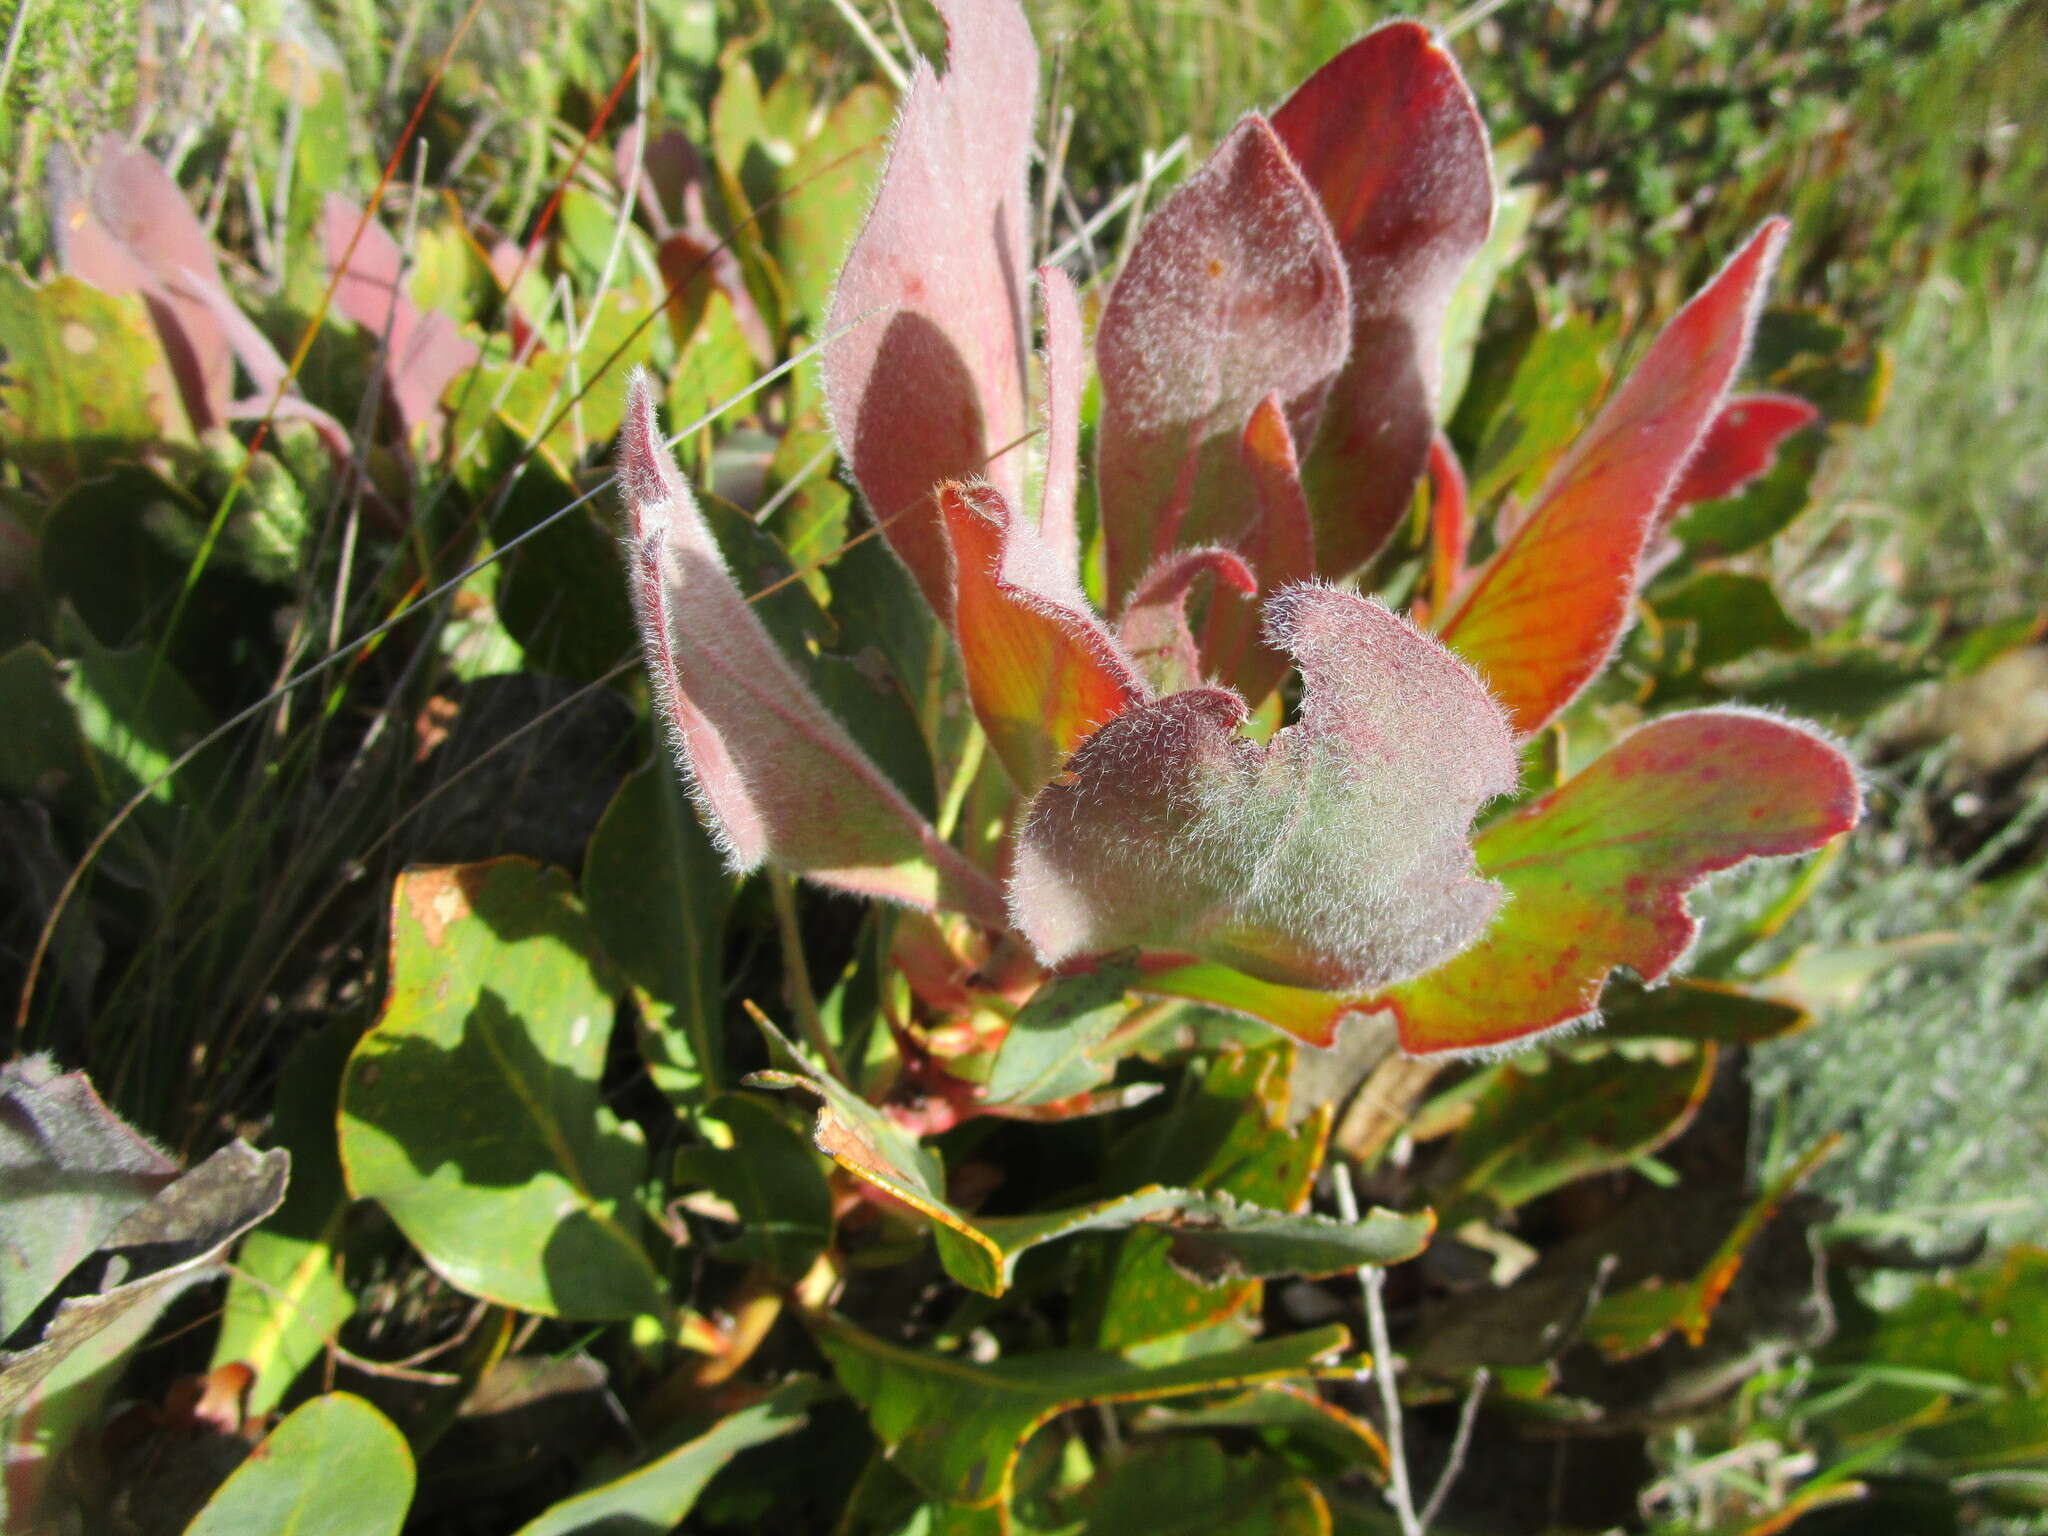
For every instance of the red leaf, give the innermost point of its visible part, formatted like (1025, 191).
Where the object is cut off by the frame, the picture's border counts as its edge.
(1450, 529)
(1066, 378)
(773, 773)
(1739, 446)
(1233, 292)
(1333, 856)
(1042, 670)
(1279, 546)
(1154, 629)
(1597, 871)
(1542, 618)
(928, 380)
(422, 353)
(1391, 140)
(128, 229)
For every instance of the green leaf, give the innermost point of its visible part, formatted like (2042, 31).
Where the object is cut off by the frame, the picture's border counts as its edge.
(85, 381)
(831, 183)
(1556, 386)
(43, 754)
(472, 1110)
(956, 1428)
(1049, 1052)
(1733, 616)
(658, 895)
(1294, 1419)
(770, 1176)
(1717, 529)
(1190, 1488)
(559, 593)
(286, 1297)
(140, 716)
(657, 1496)
(1695, 1010)
(334, 1467)
(1540, 1121)
(1839, 685)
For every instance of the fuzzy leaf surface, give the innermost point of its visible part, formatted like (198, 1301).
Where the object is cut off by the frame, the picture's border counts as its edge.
(1740, 445)
(774, 774)
(1597, 871)
(1279, 547)
(1335, 857)
(956, 1428)
(1233, 291)
(1154, 627)
(1066, 379)
(1542, 618)
(929, 380)
(1392, 142)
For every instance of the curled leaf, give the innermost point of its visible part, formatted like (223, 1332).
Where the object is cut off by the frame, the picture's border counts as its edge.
(1391, 140)
(1154, 628)
(1233, 292)
(1597, 871)
(773, 773)
(1542, 618)
(1279, 546)
(927, 381)
(1335, 857)
(1042, 670)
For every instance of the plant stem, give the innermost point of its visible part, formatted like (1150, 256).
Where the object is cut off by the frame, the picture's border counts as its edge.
(796, 974)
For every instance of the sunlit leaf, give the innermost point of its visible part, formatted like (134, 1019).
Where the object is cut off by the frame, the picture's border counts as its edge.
(74, 392)
(1066, 376)
(1597, 871)
(1390, 138)
(1542, 618)
(1740, 445)
(334, 1467)
(1234, 291)
(1154, 626)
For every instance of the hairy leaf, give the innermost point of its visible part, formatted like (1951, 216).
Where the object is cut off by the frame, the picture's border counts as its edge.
(956, 1428)
(1597, 871)
(1541, 619)
(1234, 291)
(1066, 379)
(1041, 669)
(1279, 547)
(929, 380)
(1154, 627)
(1335, 857)
(774, 774)
(1392, 142)
(1740, 445)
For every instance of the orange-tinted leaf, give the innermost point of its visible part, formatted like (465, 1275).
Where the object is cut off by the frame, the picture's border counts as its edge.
(1279, 546)
(928, 380)
(1066, 377)
(1154, 628)
(1542, 618)
(1233, 292)
(1450, 529)
(1042, 670)
(1389, 137)
(1334, 857)
(1597, 871)
(773, 773)
(423, 353)
(1739, 446)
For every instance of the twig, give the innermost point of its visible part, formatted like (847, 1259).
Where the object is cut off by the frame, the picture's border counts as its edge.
(1461, 1442)
(876, 48)
(1373, 1281)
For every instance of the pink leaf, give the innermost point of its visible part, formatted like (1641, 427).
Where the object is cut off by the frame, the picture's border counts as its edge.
(1335, 857)
(1233, 292)
(1389, 137)
(775, 776)
(1066, 376)
(1739, 446)
(1154, 628)
(128, 229)
(422, 353)
(1597, 871)
(1042, 670)
(1279, 545)
(928, 381)
(1542, 618)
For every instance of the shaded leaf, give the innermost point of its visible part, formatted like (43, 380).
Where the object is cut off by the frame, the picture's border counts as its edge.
(656, 1496)
(1154, 626)
(929, 379)
(1191, 1486)
(1392, 142)
(1048, 1053)
(1334, 857)
(1598, 870)
(1762, 509)
(1541, 619)
(472, 1110)
(956, 1428)
(1695, 1010)
(1280, 549)
(334, 1467)
(1287, 1414)
(1558, 379)
(768, 1174)
(1234, 291)
(772, 772)
(1733, 615)
(1540, 1123)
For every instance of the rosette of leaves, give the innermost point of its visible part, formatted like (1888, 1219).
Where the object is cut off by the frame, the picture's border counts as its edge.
(1267, 361)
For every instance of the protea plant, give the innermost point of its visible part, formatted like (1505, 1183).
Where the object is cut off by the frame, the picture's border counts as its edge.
(1172, 812)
